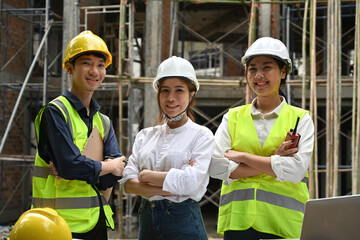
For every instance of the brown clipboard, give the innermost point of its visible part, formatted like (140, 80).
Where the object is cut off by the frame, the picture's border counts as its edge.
(94, 149)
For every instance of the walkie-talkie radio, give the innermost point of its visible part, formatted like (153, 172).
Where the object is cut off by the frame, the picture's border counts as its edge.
(293, 135)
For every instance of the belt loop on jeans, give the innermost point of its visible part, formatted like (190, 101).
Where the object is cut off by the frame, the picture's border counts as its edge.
(164, 203)
(151, 204)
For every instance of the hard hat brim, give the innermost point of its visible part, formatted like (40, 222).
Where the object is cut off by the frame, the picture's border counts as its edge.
(158, 81)
(84, 42)
(246, 59)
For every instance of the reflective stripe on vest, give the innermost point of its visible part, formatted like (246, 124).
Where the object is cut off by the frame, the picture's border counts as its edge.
(264, 196)
(67, 203)
(42, 172)
(261, 202)
(106, 123)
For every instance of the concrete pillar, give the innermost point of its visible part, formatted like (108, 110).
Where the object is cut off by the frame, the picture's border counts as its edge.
(70, 30)
(152, 58)
(264, 19)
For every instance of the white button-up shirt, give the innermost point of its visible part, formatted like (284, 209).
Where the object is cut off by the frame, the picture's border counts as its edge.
(161, 148)
(292, 169)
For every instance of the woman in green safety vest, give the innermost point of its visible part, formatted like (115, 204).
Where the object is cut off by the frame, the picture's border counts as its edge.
(262, 152)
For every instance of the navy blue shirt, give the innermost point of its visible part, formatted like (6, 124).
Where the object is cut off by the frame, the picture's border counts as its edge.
(56, 144)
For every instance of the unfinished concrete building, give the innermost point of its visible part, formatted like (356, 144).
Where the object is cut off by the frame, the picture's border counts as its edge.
(323, 38)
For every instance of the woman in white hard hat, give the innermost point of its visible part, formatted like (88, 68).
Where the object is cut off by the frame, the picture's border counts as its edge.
(169, 164)
(265, 172)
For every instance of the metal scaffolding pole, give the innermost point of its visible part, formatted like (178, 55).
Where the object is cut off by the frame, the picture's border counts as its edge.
(252, 38)
(174, 9)
(313, 89)
(338, 115)
(47, 30)
(333, 97)
(356, 106)
(313, 180)
(329, 102)
(46, 70)
(332, 93)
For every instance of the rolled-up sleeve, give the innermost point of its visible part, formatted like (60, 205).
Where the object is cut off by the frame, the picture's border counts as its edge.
(220, 166)
(294, 169)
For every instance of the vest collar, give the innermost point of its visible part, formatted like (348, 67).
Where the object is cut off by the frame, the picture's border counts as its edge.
(276, 111)
(79, 106)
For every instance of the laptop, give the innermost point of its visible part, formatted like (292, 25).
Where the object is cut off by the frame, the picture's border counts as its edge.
(336, 218)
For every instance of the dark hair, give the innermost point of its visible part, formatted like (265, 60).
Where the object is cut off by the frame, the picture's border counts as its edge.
(281, 65)
(190, 112)
(94, 53)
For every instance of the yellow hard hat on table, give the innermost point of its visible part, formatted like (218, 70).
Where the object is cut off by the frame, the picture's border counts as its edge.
(40, 224)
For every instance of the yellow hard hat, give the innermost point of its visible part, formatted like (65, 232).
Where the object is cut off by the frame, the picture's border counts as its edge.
(40, 224)
(86, 41)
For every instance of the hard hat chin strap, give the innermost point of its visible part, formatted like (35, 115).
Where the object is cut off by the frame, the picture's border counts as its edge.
(177, 118)
(180, 116)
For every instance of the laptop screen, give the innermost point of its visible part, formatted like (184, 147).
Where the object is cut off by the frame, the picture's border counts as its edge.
(332, 218)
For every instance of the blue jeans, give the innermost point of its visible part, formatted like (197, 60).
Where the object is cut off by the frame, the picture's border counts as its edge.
(164, 220)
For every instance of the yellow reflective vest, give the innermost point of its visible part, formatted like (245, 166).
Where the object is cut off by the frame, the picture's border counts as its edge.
(261, 202)
(75, 200)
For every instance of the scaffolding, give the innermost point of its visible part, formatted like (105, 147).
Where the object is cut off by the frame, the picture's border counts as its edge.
(123, 81)
(333, 84)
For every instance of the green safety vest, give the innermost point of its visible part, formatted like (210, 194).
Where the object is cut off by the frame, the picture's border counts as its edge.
(261, 202)
(76, 201)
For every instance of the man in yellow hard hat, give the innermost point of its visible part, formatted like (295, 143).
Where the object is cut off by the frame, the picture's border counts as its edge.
(63, 127)
(40, 224)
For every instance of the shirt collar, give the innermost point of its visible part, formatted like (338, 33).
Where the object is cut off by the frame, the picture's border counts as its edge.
(79, 106)
(276, 111)
(178, 129)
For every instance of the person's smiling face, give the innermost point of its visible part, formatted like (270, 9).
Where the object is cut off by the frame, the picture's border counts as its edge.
(264, 75)
(87, 73)
(174, 96)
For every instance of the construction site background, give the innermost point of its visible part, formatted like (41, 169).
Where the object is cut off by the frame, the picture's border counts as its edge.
(323, 38)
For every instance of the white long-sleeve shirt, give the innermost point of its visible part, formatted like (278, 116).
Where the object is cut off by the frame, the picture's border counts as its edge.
(292, 169)
(161, 148)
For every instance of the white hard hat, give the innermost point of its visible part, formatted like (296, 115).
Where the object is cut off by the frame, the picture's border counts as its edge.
(176, 67)
(267, 46)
